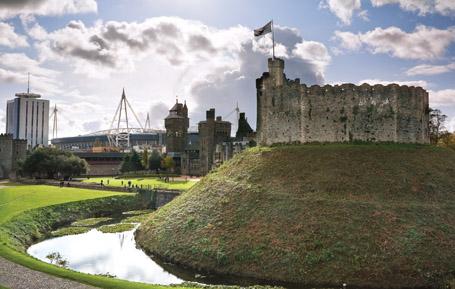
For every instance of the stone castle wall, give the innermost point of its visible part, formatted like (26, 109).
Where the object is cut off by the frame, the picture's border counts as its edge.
(11, 151)
(290, 112)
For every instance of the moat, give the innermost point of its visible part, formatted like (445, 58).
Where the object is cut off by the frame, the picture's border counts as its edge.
(115, 254)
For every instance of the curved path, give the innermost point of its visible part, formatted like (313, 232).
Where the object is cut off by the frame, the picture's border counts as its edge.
(15, 276)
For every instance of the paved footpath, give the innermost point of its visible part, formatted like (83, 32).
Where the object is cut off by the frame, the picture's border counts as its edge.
(15, 276)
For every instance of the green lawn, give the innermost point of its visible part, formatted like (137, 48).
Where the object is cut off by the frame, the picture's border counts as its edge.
(15, 200)
(176, 184)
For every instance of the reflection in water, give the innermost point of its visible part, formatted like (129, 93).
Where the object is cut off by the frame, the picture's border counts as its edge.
(95, 252)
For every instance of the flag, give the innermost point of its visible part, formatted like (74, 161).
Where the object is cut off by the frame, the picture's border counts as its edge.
(267, 28)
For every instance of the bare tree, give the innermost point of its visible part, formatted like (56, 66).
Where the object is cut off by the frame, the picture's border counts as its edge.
(436, 125)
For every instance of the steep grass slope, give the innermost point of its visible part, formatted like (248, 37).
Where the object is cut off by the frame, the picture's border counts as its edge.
(368, 215)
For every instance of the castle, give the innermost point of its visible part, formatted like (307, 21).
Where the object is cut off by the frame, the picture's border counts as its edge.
(290, 112)
(196, 153)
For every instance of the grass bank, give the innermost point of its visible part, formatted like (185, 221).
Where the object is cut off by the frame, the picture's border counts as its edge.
(367, 215)
(153, 182)
(28, 213)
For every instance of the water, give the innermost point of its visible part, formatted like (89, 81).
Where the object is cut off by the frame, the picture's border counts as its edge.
(115, 254)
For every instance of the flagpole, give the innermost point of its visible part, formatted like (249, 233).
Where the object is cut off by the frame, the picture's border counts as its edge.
(273, 43)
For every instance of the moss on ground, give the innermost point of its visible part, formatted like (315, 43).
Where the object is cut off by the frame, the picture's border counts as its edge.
(137, 212)
(70, 231)
(136, 219)
(116, 228)
(365, 215)
(90, 222)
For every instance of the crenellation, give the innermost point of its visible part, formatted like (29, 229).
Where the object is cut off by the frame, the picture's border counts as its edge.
(290, 112)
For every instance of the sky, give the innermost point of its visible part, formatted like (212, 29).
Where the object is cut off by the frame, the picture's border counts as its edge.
(82, 53)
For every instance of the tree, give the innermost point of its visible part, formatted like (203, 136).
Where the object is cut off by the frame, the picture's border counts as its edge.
(136, 162)
(131, 162)
(447, 140)
(51, 163)
(126, 164)
(155, 161)
(436, 125)
(168, 163)
(145, 159)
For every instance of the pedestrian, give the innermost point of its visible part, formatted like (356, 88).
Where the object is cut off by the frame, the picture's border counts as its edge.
(101, 182)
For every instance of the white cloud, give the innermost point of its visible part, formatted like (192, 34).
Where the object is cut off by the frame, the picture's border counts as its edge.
(33, 29)
(9, 38)
(422, 7)
(417, 83)
(348, 40)
(423, 43)
(313, 52)
(21, 62)
(14, 68)
(344, 9)
(12, 8)
(157, 59)
(428, 69)
(442, 98)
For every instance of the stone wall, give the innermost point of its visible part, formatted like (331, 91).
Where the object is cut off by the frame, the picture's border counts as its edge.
(11, 151)
(290, 112)
(6, 155)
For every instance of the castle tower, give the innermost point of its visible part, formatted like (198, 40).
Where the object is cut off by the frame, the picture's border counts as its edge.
(176, 124)
(276, 70)
(212, 131)
(271, 81)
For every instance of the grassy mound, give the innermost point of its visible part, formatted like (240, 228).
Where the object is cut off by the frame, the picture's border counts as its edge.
(365, 215)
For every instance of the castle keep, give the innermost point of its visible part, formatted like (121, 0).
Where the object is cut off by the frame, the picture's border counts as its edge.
(290, 112)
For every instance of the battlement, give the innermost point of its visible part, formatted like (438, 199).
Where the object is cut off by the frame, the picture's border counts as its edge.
(289, 111)
(6, 136)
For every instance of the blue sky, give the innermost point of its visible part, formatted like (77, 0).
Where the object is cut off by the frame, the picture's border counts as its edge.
(81, 53)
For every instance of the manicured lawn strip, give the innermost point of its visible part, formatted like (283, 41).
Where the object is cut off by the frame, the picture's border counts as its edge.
(146, 181)
(14, 201)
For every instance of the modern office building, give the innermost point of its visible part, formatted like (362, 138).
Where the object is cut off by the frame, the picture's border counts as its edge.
(27, 117)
